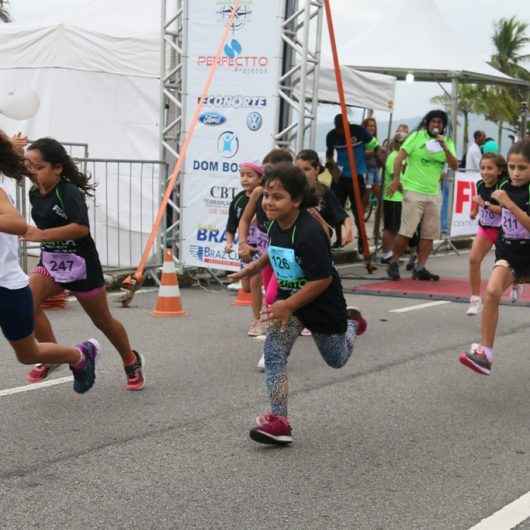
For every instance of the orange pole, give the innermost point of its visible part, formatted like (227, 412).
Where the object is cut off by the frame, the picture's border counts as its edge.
(347, 133)
(185, 146)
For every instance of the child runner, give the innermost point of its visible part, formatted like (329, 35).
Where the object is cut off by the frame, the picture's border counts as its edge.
(16, 304)
(69, 259)
(310, 294)
(493, 173)
(251, 176)
(254, 213)
(512, 252)
(326, 203)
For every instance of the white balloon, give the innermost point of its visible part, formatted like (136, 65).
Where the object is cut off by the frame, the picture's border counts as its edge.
(19, 105)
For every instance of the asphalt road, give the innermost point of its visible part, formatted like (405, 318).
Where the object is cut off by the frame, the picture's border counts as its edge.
(403, 437)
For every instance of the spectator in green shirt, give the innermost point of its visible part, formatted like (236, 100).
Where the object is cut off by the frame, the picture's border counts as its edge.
(426, 152)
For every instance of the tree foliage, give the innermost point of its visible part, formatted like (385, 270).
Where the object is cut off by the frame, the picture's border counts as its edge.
(4, 12)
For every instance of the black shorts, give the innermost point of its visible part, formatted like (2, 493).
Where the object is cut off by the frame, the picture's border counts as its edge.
(392, 216)
(16, 313)
(343, 189)
(517, 254)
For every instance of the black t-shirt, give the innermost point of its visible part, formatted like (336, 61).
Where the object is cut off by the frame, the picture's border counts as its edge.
(312, 255)
(235, 211)
(64, 205)
(485, 192)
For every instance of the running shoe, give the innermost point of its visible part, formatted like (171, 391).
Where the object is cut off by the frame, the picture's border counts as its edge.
(305, 333)
(476, 360)
(40, 372)
(386, 258)
(423, 275)
(475, 306)
(393, 271)
(255, 329)
(135, 373)
(85, 376)
(355, 314)
(517, 291)
(272, 430)
(261, 363)
(411, 263)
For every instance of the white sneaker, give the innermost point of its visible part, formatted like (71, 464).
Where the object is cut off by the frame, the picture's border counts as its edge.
(475, 306)
(517, 291)
(261, 363)
(234, 286)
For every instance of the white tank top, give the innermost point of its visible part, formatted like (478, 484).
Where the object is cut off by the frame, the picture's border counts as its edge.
(11, 275)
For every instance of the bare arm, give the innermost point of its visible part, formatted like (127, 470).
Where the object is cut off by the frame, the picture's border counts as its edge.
(61, 233)
(11, 222)
(309, 292)
(244, 250)
(399, 164)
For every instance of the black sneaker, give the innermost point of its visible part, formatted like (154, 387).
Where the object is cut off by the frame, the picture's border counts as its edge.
(393, 271)
(424, 275)
(84, 377)
(476, 360)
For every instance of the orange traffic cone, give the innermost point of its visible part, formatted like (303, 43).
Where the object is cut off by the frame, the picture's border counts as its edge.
(168, 303)
(243, 298)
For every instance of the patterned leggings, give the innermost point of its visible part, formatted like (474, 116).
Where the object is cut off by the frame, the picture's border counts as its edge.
(335, 350)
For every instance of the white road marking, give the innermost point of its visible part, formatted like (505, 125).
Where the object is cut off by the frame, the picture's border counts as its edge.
(508, 517)
(36, 386)
(419, 306)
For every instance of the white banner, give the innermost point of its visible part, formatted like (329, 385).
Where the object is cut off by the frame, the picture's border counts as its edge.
(239, 118)
(465, 188)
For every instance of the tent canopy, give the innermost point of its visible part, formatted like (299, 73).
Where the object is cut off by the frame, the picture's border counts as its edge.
(415, 39)
(363, 89)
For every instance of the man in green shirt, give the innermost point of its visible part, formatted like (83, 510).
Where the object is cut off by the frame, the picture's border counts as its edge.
(426, 152)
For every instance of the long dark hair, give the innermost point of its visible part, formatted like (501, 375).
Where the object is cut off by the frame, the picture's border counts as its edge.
(295, 183)
(55, 154)
(424, 124)
(11, 163)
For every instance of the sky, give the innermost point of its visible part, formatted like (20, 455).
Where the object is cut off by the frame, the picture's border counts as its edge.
(471, 18)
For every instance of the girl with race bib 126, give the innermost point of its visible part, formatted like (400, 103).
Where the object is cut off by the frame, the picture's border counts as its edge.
(310, 294)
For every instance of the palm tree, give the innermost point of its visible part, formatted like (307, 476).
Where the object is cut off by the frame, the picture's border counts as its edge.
(510, 39)
(4, 13)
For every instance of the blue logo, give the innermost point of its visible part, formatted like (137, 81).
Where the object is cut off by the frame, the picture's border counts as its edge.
(228, 144)
(212, 118)
(233, 49)
(254, 121)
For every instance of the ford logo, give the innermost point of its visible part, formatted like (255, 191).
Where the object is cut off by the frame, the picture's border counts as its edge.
(212, 118)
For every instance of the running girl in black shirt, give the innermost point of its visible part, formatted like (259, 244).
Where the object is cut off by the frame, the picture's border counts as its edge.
(512, 253)
(16, 304)
(69, 259)
(310, 294)
(251, 176)
(494, 174)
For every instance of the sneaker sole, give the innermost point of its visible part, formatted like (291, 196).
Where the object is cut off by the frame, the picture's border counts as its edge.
(138, 389)
(96, 346)
(268, 439)
(468, 363)
(52, 368)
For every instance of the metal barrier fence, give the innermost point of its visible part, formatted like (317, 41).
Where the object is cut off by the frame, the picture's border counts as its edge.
(121, 211)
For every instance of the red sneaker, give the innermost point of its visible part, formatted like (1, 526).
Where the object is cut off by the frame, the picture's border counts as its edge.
(272, 430)
(40, 372)
(355, 315)
(135, 373)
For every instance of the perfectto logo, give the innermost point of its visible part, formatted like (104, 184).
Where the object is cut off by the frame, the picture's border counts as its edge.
(228, 144)
(234, 102)
(233, 49)
(242, 14)
(212, 118)
(254, 121)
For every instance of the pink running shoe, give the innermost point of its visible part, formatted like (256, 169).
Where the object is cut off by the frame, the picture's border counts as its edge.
(355, 315)
(476, 360)
(40, 372)
(272, 430)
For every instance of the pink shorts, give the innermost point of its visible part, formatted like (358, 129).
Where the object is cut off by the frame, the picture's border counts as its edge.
(488, 233)
(84, 295)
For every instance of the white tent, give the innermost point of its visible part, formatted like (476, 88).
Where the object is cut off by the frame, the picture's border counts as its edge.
(413, 38)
